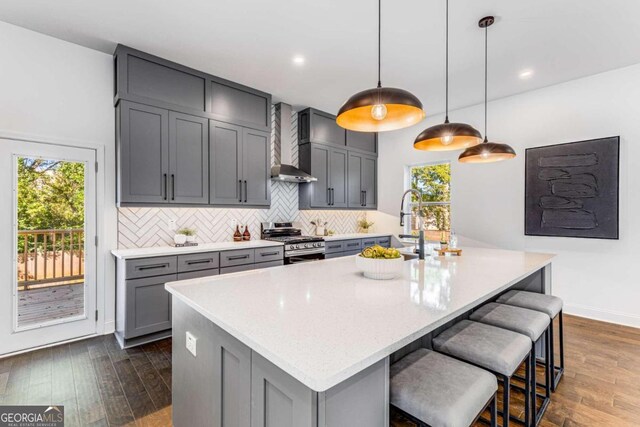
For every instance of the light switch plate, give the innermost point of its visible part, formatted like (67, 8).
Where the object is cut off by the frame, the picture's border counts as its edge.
(191, 343)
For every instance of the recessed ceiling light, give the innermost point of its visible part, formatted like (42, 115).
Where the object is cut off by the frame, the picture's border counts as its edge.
(525, 74)
(298, 60)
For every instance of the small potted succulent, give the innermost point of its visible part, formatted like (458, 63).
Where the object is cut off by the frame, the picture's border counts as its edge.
(185, 235)
(364, 225)
(380, 263)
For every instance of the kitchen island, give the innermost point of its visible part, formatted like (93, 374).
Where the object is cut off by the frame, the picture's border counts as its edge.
(310, 344)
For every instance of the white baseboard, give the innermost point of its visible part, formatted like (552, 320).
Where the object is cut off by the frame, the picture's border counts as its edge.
(109, 327)
(603, 315)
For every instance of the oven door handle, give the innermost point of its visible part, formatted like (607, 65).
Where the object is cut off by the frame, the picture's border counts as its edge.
(289, 254)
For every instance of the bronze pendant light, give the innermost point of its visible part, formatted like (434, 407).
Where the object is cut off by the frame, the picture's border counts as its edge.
(447, 136)
(382, 108)
(487, 152)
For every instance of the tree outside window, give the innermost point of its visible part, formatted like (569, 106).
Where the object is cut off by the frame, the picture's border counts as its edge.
(434, 181)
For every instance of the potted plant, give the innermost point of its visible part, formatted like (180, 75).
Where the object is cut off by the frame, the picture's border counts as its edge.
(364, 225)
(320, 227)
(185, 235)
(380, 263)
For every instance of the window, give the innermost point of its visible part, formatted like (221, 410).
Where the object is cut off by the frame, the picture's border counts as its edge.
(434, 181)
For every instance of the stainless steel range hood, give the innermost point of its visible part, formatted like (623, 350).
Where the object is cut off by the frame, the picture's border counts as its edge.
(283, 170)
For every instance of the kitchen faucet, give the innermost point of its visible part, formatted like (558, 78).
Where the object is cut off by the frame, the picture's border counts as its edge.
(420, 216)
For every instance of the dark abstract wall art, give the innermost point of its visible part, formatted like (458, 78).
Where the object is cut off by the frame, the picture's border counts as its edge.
(571, 190)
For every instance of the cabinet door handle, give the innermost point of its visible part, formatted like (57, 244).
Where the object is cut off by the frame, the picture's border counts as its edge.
(270, 253)
(245, 191)
(233, 258)
(353, 244)
(166, 186)
(334, 246)
(240, 190)
(173, 187)
(332, 197)
(152, 267)
(200, 261)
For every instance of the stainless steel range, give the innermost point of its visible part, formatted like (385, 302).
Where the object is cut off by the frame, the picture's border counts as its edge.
(297, 248)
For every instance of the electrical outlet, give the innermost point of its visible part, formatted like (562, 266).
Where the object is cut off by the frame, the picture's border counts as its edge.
(172, 224)
(191, 343)
(233, 223)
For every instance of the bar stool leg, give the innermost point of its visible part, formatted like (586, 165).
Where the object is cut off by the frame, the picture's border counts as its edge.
(506, 395)
(493, 409)
(551, 352)
(527, 394)
(533, 386)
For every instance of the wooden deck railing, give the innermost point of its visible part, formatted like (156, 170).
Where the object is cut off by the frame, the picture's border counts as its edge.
(50, 258)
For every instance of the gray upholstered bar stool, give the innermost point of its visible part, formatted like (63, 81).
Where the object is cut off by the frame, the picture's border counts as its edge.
(497, 350)
(552, 307)
(530, 323)
(435, 390)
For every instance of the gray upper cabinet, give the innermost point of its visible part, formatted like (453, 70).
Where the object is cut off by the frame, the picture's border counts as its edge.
(142, 153)
(169, 153)
(147, 79)
(225, 143)
(240, 165)
(234, 103)
(329, 166)
(344, 163)
(362, 181)
(355, 181)
(362, 141)
(188, 159)
(256, 167)
(370, 181)
(338, 177)
(318, 126)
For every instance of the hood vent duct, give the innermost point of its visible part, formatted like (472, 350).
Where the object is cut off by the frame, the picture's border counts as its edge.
(283, 170)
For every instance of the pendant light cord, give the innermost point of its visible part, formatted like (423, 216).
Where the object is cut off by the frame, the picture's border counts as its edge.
(379, 38)
(446, 96)
(486, 49)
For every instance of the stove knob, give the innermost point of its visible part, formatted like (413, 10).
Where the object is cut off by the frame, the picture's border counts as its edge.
(296, 246)
(318, 245)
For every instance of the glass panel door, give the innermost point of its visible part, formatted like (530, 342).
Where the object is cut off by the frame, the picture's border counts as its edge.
(48, 261)
(50, 240)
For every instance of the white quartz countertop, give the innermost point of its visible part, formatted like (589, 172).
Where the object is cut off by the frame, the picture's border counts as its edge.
(354, 236)
(322, 322)
(202, 247)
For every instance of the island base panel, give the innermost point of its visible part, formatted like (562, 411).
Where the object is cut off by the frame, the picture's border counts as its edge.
(229, 385)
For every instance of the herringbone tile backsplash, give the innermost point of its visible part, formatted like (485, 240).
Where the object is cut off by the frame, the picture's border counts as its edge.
(144, 227)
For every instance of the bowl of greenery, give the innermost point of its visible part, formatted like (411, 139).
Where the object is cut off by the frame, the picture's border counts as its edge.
(380, 263)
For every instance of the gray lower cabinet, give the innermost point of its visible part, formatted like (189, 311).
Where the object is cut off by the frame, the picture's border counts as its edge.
(329, 166)
(340, 248)
(229, 385)
(188, 159)
(148, 306)
(240, 165)
(143, 306)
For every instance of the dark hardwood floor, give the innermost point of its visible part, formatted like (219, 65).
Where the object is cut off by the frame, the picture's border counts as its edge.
(101, 385)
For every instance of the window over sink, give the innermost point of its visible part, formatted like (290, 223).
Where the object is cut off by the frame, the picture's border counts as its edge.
(434, 181)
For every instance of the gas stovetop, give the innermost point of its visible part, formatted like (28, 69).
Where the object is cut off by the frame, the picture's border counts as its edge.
(295, 239)
(290, 234)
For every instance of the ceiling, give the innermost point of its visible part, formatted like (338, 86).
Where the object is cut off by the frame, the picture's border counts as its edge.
(253, 41)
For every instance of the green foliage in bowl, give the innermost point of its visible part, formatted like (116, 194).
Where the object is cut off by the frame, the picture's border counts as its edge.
(378, 252)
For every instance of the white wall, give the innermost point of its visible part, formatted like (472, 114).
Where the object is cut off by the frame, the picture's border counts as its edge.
(594, 277)
(58, 92)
